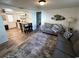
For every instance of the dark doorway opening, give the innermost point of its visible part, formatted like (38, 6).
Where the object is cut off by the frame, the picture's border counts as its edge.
(38, 18)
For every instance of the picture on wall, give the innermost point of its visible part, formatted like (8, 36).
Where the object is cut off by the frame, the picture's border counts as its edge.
(58, 17)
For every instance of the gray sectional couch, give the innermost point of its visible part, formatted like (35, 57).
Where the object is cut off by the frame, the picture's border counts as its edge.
(65, 48)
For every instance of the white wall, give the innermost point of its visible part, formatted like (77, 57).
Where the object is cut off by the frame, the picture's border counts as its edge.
(77, 23)
(66, 12)
(33, 19)
(29, 15)
(3, 34)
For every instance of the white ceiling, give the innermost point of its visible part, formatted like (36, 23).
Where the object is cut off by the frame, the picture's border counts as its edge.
(33, 4)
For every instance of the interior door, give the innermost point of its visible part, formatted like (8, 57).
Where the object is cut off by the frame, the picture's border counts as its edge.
(38, 16)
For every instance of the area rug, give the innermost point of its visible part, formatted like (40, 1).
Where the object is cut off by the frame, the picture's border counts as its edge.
(39, 45)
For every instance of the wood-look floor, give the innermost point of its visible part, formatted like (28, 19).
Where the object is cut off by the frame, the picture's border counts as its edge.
(15, 38)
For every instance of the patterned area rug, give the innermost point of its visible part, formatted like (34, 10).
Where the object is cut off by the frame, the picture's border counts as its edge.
(39, 45)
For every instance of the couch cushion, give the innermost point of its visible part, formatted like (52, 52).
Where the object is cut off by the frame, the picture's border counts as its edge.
(52, 28)
(48, 25)
(75, 41)
(76, 48)
(58, 28)
(55, 29)
(46, 28)
(75, 37)
(59, 54)
(65, 46)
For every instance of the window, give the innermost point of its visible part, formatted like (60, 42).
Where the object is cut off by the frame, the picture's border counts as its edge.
(10, 18)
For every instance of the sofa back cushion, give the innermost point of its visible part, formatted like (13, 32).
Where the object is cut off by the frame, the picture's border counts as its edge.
(48, 25)
(75, 37)
(75, 41)
(52, 28)
(47, 28)
(59, 28)
(55, 28)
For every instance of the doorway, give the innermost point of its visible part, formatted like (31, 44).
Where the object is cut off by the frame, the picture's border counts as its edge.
(38, 18)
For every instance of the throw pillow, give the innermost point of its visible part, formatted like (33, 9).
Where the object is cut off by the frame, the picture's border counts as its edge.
(55, 29)
(67, 35)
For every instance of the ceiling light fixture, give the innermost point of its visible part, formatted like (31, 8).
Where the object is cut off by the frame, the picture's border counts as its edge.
(42, 2)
